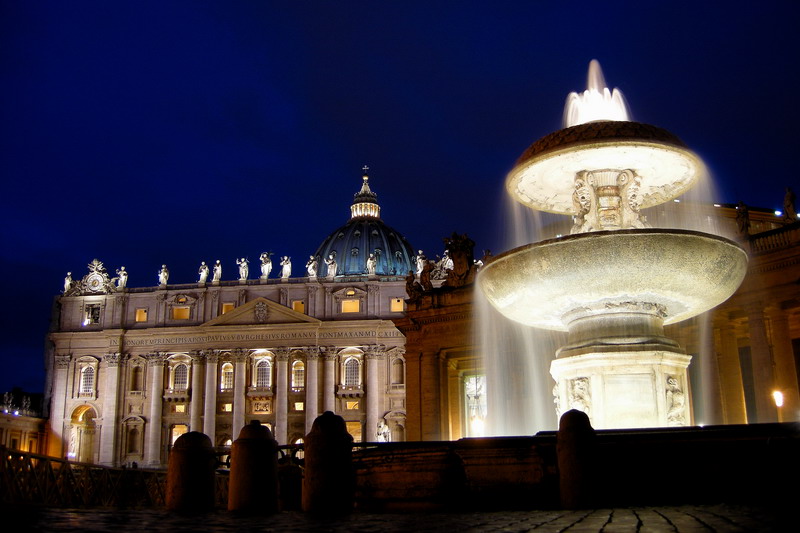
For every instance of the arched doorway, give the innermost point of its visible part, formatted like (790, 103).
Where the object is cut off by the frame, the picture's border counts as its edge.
(82, 435)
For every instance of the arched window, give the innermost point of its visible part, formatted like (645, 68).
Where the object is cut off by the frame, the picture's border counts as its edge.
(180, 377)
(264, 374)
(87, 380)
(227, 377)
(298, 375)
(136, 379)
(398, 372)
(352, 372)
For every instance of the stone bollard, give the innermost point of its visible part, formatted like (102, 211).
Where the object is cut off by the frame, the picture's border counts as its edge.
(190, 474)
(253, 485)
(329, 482)
(576, 460)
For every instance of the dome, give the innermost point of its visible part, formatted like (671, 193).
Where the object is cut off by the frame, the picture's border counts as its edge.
(364, 234)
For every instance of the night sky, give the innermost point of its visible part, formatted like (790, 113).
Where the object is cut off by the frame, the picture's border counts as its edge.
(143, 133)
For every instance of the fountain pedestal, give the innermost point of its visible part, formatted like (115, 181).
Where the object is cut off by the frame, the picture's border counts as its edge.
(624, 389)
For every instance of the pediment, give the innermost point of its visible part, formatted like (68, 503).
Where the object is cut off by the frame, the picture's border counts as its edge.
(261, 312)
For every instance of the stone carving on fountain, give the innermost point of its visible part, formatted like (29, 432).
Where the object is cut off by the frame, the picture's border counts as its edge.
(676, 403)
(579, 395)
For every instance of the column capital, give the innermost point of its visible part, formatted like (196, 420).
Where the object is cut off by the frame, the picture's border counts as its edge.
(374, 351)
(197, 356)
(239, 355)
(113, 359)
(62, 361)
(281, 354)
(156, 359)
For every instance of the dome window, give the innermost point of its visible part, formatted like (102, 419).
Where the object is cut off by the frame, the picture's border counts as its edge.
(354, 252)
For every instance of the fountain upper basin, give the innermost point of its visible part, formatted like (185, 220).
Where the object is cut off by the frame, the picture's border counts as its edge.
(675, 274)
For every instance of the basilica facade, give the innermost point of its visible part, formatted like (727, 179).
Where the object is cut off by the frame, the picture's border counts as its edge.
(132, 369)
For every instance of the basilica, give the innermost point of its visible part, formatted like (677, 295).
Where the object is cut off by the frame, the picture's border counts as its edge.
(132, 369)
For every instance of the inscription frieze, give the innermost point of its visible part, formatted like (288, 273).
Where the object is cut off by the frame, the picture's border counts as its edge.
(234, 337)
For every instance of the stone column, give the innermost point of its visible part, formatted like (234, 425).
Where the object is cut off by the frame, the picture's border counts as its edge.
(210, 406)
(374, 394)
(761, 358)
(152, 451)
(196, 405)
(108, 435)
(312, 387)
(282, 397)
(430, 396)
(329, 382)
(57, 414)
(730, 376)
(239, 398)
(785, 369)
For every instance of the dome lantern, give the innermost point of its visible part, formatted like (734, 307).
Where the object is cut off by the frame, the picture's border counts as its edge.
(365, 202)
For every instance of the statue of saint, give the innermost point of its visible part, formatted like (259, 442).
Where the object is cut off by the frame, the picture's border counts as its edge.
(332, 266)
(122, 280)
(68, 282)
(372, 264)
(286, 267)
(743, 218)
(163, 275)
(311, 266)
(217, 274)
(203, 271)
(383, 433)
(789, 212)
(266, 265)
(244, 268)
(421, 260)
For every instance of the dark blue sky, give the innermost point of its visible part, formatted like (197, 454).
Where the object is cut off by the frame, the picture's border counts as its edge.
(144, 133)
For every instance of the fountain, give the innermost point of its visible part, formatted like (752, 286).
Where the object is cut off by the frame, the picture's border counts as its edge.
(614, 282)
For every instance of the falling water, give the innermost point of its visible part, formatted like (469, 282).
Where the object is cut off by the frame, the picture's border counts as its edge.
(517, 358)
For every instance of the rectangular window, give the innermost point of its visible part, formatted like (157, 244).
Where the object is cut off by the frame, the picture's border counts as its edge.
(351, 405)
(228, 306)
(299, 306)
(180, 408)
(226, 407)
(180, 313)
(92, 314)
(178, 430)
(350, 306)
(299, 406)
(141, 315)
(397, 305)
(354, 428)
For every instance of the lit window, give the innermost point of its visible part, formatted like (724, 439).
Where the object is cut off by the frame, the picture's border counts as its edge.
(299, 306)
(180, 408)
(180, 313)
(92, 314)
(177, 431)
(227, 377)
(475, 399)
(351, 405)
(354, 428)
(87, 380)
(228, 306)
(350, 306)
(226, 407)
(141, 315)
(351, 373)
(298, 406)
(264, 374)
(298, 375)
(180, 377)
(397, 305)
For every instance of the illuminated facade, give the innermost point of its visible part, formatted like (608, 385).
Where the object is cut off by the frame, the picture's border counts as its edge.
(131, 369)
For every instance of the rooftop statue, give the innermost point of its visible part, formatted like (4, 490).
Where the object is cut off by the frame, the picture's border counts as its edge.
(163, 275)
(122, 278)
(217, 274)
(372, 264)
(311, 266)
(331, 262)
(266, 264)
(286, 267)
(203, 271)
(244, 268)
(68, 282)
(789, 212)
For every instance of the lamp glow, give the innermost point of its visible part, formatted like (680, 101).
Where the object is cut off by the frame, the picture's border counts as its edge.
(778, 397)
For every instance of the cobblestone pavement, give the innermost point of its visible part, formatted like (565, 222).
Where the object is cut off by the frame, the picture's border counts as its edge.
(682, 519)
